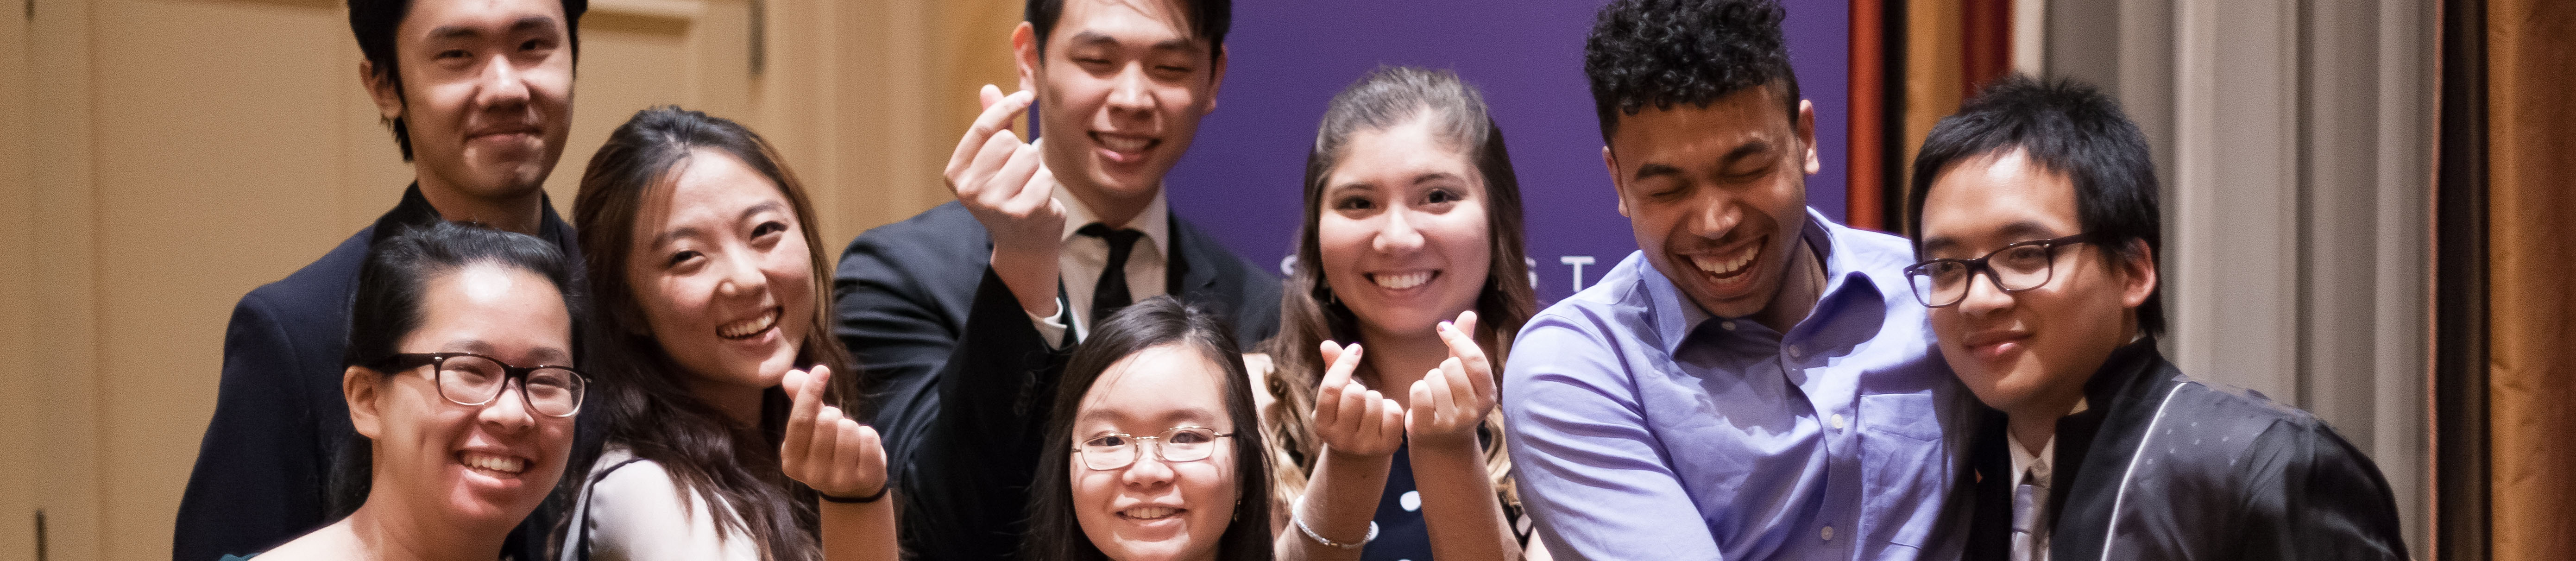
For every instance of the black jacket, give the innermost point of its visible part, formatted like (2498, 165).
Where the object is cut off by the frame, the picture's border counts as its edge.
(264, 471)
(2163, 466)
(962, 382)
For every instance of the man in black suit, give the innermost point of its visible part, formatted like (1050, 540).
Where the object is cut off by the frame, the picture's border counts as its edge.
(963, 315)
(2036, 227)
(479, 96)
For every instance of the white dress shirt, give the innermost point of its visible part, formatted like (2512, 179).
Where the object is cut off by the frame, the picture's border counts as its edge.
(1082, 258)
(2034, 470)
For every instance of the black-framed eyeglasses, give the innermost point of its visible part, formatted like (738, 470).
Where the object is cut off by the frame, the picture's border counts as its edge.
(1118, 450)
(473, 380)
(1940, 283)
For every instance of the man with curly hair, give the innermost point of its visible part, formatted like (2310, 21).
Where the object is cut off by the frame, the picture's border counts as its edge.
(1757, 381)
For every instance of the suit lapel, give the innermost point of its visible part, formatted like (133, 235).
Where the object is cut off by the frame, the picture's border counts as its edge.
(1991, 488)
(1191, 273)
(2127, 391)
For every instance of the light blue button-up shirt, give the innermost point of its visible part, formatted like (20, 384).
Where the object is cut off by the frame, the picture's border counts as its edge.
(1644, 428)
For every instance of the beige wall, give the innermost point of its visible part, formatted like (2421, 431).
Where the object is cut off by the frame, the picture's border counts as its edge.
(159, 158)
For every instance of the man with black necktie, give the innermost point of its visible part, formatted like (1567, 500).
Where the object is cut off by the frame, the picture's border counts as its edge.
(962, 316)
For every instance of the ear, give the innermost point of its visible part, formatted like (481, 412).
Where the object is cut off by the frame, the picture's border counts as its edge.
(364, 389)
(1807, 135)
(1216, 78)
(1024, 47)
(1618, 184)
(2139, 278)
(381, 90)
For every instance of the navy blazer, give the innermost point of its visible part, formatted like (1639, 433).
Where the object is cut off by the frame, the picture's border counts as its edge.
(263, 472)
(961, 383)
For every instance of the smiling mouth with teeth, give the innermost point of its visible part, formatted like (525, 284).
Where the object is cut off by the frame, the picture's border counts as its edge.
(487, 462)
(749, 328)
(1150, 513)
(1727, 270)
(1123, 144)
(1402, 281)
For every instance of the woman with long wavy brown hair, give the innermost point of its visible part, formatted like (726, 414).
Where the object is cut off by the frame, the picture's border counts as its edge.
(1412, 220)
(708, 341)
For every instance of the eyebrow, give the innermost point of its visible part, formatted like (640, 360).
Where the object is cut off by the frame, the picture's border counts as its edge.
(2018, 231)
(1179, 418)
(1656, 170)
(543, 355)
(1092, 38)
(664, 238)
(1434, 176)
(1748, 150)
(764, 206)
(470, 32)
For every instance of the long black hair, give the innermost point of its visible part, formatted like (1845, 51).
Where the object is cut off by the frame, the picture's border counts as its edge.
(1054, 534)
(386, 308)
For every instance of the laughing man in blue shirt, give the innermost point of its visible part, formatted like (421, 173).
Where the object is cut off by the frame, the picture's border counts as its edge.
(1757, 382)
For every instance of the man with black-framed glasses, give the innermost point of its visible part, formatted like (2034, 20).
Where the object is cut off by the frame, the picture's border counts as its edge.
(2036, 229)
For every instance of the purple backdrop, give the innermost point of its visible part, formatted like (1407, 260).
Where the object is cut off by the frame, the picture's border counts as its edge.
(1241, 179)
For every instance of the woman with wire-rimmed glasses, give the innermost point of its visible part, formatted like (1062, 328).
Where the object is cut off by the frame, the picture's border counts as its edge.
(1153, 450)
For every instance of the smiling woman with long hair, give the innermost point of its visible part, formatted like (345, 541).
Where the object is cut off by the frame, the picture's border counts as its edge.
(706, 268)
(1410, 281)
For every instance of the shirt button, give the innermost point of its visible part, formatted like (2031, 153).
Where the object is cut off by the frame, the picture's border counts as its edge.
(1795, 353)
(1728, 325)
(1829, 533)
(1838, 421)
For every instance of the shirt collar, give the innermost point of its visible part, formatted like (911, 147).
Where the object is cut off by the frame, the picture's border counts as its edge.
(1155, 221)
(1821, 236)
(2038, 465)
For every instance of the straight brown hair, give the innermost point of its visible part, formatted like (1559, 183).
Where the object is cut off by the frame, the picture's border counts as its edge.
(644, 393)
(1308, 312)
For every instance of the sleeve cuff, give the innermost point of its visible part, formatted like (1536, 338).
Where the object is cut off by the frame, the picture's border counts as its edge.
(1051, 328)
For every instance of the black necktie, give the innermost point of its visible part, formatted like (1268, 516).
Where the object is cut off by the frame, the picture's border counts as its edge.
(1111, 293)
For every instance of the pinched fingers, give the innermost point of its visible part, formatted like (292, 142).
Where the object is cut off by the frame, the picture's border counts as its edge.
(996, 118)
(1009, 180)
(806, 391)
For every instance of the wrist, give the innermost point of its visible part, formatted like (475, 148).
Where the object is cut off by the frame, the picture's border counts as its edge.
(1347, 457)
(863, 498)
(1031, 279)
(1447, 444)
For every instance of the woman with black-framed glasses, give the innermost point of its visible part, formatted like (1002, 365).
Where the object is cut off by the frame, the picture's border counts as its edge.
(460, 384)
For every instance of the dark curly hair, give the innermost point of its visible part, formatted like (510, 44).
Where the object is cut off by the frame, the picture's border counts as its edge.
(2066, 127)
(1667, 52)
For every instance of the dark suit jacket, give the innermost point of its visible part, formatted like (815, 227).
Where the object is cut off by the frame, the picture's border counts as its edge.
(962, 381)
(264, 470)
(2163, 466)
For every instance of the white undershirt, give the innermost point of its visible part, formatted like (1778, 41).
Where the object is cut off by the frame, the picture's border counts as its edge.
(1083, 257)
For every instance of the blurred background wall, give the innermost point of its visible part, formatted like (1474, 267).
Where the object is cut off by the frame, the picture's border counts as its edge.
(2339, 211)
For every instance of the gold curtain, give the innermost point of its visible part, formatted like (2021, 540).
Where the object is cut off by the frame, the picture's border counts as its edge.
(2532, 268)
